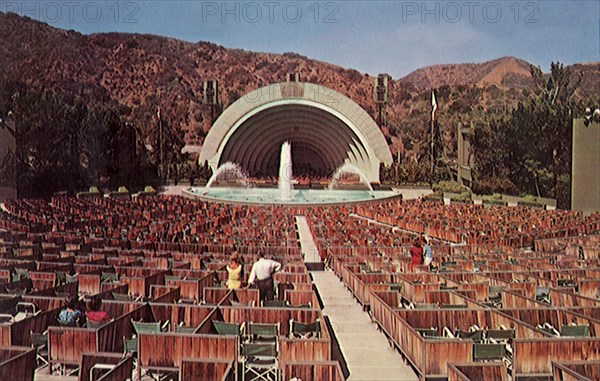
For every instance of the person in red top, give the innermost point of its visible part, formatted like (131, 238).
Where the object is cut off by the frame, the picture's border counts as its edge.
(416, 254)
(93, 314)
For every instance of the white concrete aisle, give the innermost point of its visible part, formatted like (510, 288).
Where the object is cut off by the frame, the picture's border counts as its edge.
(366, 350)
(307, 244)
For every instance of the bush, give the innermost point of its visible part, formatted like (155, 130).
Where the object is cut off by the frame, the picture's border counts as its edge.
(463, 197)
(451, 187)
(493, 201)
(433, 196)
(487, 186)
(528, 198)
(534, 204)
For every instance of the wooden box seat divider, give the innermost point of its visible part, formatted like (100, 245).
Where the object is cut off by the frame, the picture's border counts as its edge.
(105, 366)
(166, 351)
(17, 363)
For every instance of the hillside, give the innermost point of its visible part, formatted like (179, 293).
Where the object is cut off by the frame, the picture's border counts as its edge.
(142, 72)
(503, 72)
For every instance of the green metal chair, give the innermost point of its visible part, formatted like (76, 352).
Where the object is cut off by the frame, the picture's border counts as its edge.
(263, 332)
(495, 300)
(431, 332)
(131, 346)
(22, 273)
(575, 330)
(495, 290)
(93, 324)
(500, 334)
(426, 306)
(454, 306)
(305, 330)
(149, 327)
(275, 303)
(434, 337)
(186, 329)
(228, 329)
(468, 335)
(109, 277)
(488, 352)
(542, 294)
(301, 306)
(566, 283)
(121, 297)
(171, 277)
(39, 341)
(61, 277)
(259, 362)
(444, 286)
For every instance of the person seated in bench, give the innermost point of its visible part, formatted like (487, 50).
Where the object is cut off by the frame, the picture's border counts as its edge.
(72, 315)
(416, 254)
(94, 315)
(262, 273)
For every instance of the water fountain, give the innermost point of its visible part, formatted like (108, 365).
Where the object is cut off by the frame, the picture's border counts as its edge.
(284, 193)
(349, 168)
(232, 168)
(285, 172)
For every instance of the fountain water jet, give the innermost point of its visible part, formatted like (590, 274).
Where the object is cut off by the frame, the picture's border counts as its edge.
(229, 167)
(285, 172)
(286, 194)
(349, 168)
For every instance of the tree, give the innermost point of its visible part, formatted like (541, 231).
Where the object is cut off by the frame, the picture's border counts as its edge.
(166, 141)
(205, 172)
(542, 125)
(67, 143)
(529, 150)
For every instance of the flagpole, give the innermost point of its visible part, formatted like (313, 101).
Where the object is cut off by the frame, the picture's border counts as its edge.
(160, 137)
(432, 159)
(433, 112)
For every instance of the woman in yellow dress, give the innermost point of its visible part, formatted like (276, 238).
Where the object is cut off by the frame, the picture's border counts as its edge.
(234, 271)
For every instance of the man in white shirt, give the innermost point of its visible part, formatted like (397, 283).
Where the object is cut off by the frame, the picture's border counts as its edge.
(262, 274)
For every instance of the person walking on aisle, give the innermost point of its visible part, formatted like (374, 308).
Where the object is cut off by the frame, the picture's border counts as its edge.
(262, 274)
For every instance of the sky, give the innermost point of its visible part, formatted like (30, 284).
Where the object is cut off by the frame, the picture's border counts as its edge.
(394, 37)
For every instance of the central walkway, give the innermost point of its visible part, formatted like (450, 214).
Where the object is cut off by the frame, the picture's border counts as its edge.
(310, 253)
(366, 351)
